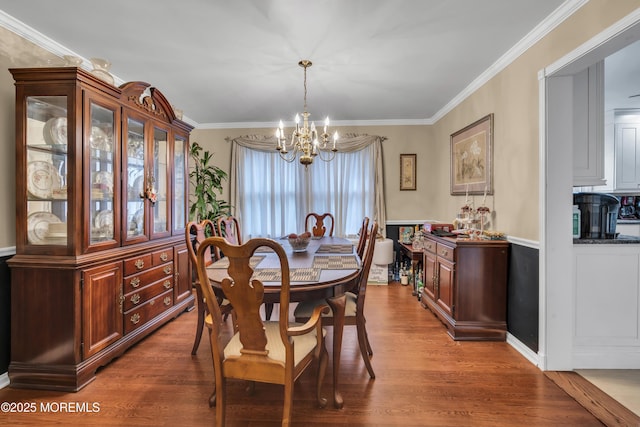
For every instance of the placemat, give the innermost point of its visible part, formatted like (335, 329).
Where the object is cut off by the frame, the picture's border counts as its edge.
(338, 262)
(335, 249)
(224, 262)
(295, 274)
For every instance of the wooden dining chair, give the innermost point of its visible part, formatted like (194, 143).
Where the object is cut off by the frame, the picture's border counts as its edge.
(317, 227)
(354, 309)
(195, 233)
(259, 351)
(363, 235)
(229, 228)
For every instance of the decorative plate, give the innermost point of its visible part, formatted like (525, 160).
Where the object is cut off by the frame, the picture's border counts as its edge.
(42, 179)
(104, 179)
(55, 131)
(136, 224)
(99, 139)
(103, 222)
(38, 226)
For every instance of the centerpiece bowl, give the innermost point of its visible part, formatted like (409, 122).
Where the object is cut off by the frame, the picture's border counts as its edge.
(300, 242)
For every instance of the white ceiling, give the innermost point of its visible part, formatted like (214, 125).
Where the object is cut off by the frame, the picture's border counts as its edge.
(234, 63)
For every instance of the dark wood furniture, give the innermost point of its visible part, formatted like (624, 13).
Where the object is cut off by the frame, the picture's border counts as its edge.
(316, 226)
(101, 195)
(195, 234)
(354, 314)
(275, 352)
(465, 286)
(331, 284)
(229, 228)
(416, 256)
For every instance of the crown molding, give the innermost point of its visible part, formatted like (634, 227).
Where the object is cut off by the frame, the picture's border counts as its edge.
(551, 22)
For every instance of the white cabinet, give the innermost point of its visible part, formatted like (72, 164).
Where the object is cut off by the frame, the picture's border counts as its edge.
(588, 127)
(627, 152)
(607, 306)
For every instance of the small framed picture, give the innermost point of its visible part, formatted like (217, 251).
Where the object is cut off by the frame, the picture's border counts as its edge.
(407, 172)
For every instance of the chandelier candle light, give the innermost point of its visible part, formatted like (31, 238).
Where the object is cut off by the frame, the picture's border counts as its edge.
(304, 140)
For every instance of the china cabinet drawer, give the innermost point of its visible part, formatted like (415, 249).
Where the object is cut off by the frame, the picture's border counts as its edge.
(445, 252)
(137, 317)
(137, 264)
(160, 257)
(140, 280)
(428, 245)
(140, 296)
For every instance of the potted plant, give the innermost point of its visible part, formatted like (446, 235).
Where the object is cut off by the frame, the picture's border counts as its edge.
(207, 184)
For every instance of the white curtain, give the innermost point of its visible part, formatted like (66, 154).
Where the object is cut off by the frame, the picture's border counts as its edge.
(272, 197)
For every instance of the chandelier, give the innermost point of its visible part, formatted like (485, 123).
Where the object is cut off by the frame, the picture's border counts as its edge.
(305, 140)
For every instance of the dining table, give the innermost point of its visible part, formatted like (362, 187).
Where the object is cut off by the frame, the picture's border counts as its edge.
(328, 268)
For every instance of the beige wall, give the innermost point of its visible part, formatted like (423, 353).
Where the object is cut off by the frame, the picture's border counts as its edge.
(512, 96)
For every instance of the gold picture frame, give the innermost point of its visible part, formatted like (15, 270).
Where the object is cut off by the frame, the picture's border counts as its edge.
(407, 172)
(472, 158)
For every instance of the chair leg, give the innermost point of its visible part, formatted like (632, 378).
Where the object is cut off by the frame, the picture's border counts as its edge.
(202, 312)
(363, 342)
(268, 310)
(322, 369)
(369, 349)
(288, 403)
(221, 405)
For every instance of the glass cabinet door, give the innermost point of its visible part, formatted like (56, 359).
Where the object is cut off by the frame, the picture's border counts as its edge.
(46, 170)
(157, 182)
(135, 216)
(179, 184)
(102, 172)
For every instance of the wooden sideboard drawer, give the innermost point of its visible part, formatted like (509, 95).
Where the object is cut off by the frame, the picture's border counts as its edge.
(140, 280)
(445, 252)
(140, 296)
(137, 264)
(429, 245)
(140, 315)
(160, 257)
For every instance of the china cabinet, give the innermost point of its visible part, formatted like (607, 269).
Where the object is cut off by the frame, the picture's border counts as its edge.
(101, 181)
(465, 286)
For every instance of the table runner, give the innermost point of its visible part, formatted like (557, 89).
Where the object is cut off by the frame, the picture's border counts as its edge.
(224, 262)
(337, 262)
(335, 248)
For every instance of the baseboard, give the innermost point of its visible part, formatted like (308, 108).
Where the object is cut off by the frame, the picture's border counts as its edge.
(4, 380)
(528, 354)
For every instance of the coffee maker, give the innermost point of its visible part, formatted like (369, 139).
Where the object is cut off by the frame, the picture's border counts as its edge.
(598, 215)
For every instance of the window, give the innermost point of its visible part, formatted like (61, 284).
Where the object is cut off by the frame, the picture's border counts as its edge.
(272, 197)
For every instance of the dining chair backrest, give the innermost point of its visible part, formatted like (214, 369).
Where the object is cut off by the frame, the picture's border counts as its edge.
(195, 233)
(367, 261)
(259, 350)
(314, 223)
(363, 235)
(229, 228)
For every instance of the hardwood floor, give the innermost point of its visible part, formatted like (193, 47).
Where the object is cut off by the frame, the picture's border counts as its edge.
(423, 378)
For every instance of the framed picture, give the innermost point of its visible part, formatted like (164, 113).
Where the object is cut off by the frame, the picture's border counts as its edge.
(471, 158)
(407, 172)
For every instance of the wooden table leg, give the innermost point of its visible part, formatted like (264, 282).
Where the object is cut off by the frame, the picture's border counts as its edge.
(337, 305)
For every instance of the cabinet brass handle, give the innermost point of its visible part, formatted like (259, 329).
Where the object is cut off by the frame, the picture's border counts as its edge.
(139, 264)
(135, 318)
(167, 284)
(135, 298)
(445, 252)
(135, 282)
(167, 269)
(167, 300)
(121, 298)
(152, 302)
(164, 256)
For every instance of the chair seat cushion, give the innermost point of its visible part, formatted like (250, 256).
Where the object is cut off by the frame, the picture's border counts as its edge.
(303, 344)
(304, 310)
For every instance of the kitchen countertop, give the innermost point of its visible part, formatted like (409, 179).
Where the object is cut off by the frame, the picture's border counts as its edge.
(621, 239)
